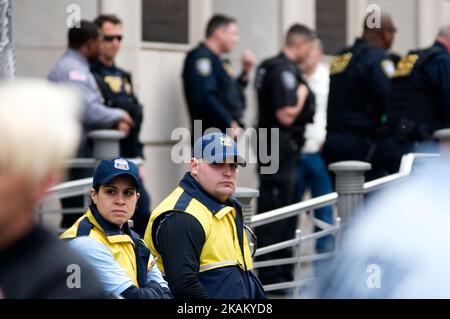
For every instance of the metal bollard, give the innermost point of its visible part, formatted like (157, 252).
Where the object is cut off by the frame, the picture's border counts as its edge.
(349, 186)
(245, 195)
(106, 143)
(444, 138)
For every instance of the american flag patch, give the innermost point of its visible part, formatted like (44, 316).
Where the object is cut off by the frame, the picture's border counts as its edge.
(76, 75)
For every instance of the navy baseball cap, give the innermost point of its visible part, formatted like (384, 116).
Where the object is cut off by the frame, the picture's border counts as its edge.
(108, 169)
(217, 148)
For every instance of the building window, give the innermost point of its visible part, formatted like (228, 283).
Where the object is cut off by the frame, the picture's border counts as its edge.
(331, 24)
(165, 21)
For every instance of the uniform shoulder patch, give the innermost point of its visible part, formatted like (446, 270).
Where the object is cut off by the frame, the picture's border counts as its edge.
(406, 65)
(203, 66)
(77, 75)
(340, 63)
(388, 68)
(288, 79)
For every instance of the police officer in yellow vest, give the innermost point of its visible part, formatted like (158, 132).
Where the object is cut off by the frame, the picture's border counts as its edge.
(102, 235)
(198, 232)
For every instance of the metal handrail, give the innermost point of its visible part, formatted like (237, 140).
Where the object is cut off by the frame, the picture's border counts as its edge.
(406, 167)
(293, 210)
(82, 186)
(405, 170)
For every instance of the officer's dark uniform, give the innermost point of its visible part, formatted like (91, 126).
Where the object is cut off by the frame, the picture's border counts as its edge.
(117, 90)
(359, 88)
(277, 81)
(212, 94)
(419, 103)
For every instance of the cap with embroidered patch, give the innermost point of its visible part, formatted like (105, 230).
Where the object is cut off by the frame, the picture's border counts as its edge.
(217, 148)
(109, 169)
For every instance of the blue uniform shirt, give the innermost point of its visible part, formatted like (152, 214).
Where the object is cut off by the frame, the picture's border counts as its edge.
(212, 94)
(359, 88)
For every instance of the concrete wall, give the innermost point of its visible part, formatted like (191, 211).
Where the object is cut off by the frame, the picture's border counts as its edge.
(39, 32)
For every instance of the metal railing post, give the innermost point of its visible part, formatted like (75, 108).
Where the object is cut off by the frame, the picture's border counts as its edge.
(245, 195)
(106, 143)
(298, 265)
(349, 186)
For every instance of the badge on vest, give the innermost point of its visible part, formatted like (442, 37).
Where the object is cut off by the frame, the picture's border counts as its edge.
(203, 66)
(114, 83)
(227, 66)
(388, 68)
(288, 79)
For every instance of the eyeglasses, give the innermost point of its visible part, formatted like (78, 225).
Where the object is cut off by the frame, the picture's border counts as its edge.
(110, 38)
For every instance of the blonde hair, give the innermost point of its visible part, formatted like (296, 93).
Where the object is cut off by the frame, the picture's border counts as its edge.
(39, 127)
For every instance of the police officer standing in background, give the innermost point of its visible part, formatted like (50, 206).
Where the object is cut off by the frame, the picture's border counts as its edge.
(213, 94)
(285, 103)
(117, 89)
(419, 103)
(73, 69)
(359, 89)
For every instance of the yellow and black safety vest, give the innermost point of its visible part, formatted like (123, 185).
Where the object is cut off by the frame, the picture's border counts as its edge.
(127, 248)
(225, 244)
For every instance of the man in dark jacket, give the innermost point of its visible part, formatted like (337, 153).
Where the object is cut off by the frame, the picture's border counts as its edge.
(360, 78)
(198, 230)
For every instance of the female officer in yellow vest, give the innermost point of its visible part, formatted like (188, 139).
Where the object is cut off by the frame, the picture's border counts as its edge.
(103, 237)
(198, 231)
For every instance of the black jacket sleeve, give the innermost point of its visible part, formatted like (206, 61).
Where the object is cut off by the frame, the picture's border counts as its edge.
(179, 239)
(152, 290)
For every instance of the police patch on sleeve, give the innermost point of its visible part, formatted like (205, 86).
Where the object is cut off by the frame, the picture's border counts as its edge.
(203, 66)
(288, 79)
(388, 68)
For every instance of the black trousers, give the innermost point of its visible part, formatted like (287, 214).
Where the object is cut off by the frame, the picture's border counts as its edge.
(275, 194)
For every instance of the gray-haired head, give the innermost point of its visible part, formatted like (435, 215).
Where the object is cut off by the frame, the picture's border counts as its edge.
(444, 31)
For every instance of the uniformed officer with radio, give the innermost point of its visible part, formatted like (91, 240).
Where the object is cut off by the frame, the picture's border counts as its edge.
(285, 104)
(359, 89)
(213, 94)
